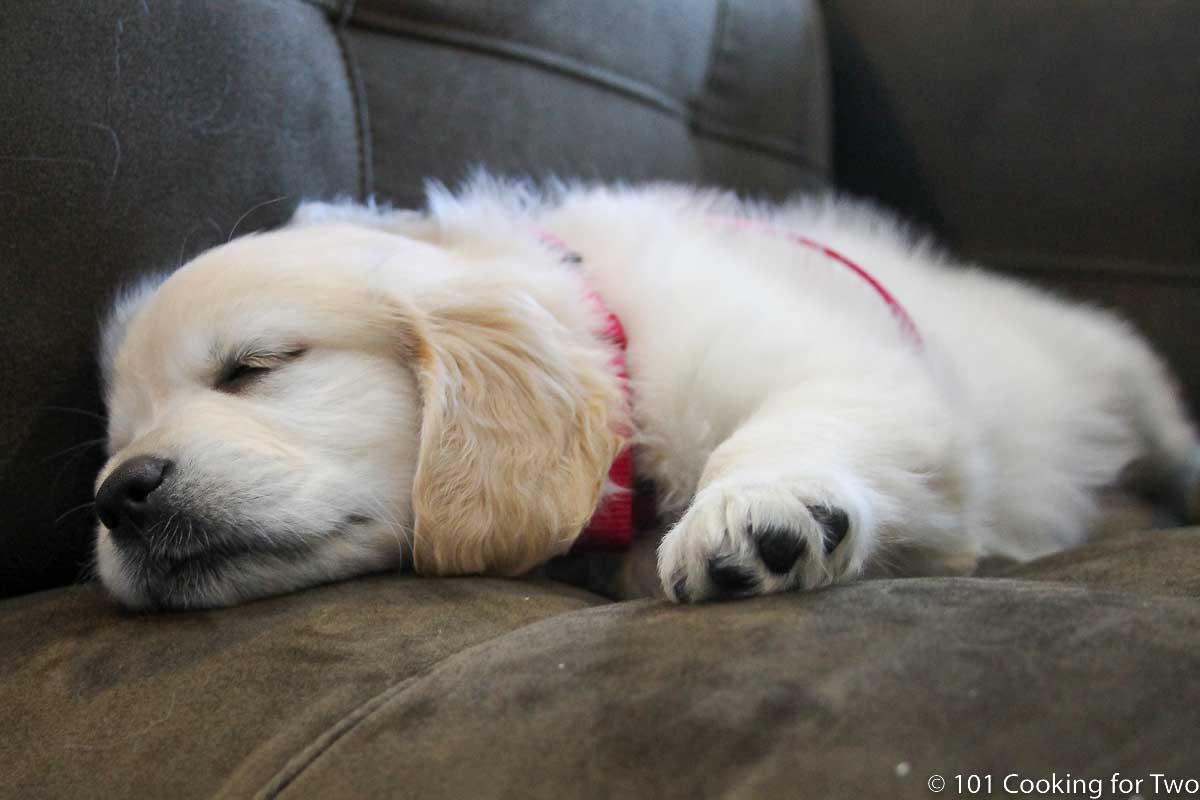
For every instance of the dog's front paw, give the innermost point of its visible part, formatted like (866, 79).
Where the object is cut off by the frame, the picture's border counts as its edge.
(738, 540)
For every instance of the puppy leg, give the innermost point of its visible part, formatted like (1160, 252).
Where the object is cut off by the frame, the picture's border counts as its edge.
(1185, 488)
(796, 498)
(1168, 466)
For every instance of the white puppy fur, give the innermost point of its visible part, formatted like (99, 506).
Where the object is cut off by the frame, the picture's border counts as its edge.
(368, 388)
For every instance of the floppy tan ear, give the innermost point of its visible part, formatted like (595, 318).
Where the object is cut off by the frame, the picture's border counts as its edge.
(522, 418)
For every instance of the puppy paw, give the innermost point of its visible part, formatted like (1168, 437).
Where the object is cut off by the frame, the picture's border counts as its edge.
(1191, 490)
(739, 540)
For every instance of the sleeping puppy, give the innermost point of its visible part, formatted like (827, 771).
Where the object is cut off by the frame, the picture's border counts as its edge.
(813, 394)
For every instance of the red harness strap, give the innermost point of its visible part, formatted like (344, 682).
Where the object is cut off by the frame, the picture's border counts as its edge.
(898, 311)
(612, 525)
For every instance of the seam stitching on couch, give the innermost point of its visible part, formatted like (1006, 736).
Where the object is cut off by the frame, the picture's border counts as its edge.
(358, 96)
(715, 49)
(297, 764)
(597, 76)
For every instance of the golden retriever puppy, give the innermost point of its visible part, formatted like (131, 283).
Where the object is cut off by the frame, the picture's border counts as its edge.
(813, 394)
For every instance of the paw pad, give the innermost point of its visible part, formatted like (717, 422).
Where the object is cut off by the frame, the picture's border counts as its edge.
(779, 548)
(834, 521)
(729, 577)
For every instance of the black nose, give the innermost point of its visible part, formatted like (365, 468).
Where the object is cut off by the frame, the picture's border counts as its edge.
(125, 495)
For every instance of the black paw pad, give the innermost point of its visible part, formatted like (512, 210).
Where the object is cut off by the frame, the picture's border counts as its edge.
(779, 548)
(836, 523)
(729, 577)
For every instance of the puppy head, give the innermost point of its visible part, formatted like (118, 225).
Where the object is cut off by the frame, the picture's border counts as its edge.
(334, 399)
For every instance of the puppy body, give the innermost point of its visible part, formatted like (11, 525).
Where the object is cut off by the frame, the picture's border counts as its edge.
(795, 433)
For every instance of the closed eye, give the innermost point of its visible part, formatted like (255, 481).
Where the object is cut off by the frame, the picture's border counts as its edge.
(247, 369)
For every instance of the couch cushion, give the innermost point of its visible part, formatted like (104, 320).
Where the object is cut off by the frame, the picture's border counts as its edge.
(864, 691)
(484, 688)
(99, 703)
(1149, 562)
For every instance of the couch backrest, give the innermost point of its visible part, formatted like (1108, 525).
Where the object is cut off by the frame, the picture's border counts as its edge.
(1055, 140)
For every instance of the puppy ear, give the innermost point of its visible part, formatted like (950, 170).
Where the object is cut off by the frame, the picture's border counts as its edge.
(522, 419)
(124, 307)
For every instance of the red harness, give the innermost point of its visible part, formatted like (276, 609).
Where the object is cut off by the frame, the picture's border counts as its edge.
(906, 323)
(612, 525)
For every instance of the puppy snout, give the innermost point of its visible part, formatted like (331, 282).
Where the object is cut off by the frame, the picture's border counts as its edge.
(125, 502)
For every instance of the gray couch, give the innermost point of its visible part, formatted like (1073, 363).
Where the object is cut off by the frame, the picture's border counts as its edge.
(1054, 140)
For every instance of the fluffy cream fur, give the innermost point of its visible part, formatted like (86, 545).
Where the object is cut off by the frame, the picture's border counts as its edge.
(449, 399)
